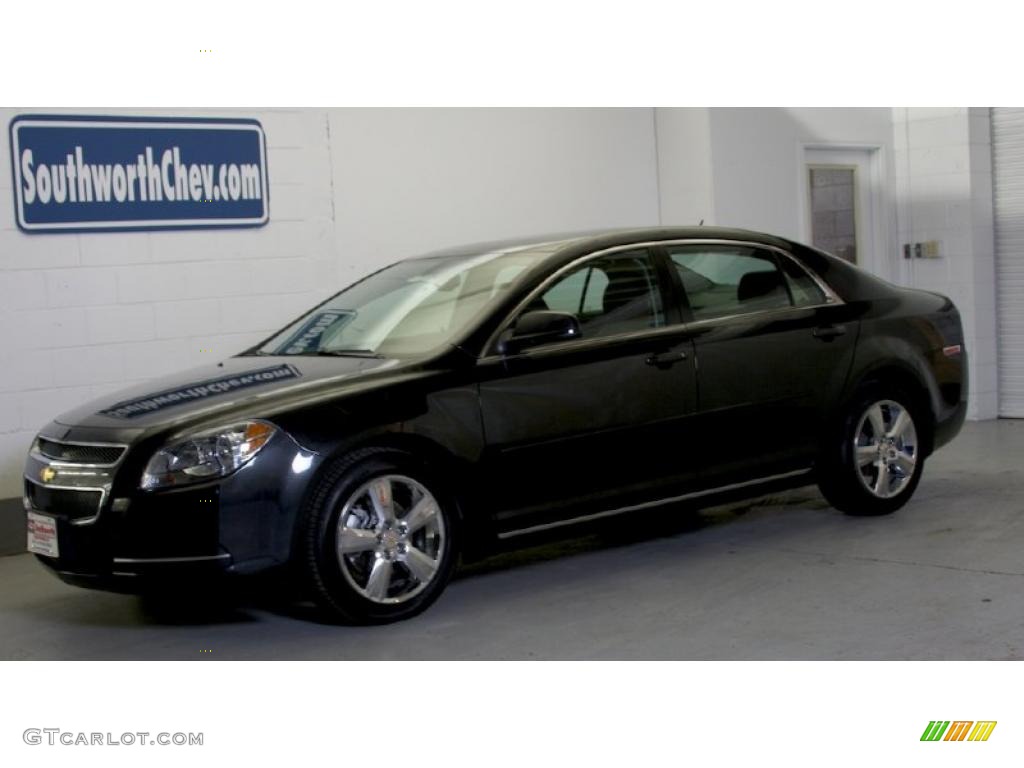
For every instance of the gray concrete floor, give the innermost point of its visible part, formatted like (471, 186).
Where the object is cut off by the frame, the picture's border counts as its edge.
(784, 577)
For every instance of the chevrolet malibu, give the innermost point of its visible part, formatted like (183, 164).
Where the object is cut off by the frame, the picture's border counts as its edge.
(448, 404)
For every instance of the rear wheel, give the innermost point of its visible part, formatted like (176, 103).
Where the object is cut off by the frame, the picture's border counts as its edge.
(875, 462)
(380, 538)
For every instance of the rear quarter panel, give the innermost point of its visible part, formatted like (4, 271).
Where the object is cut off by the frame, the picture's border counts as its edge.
(905, 336)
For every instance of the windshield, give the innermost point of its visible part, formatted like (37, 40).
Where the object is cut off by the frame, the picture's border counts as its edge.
(407, 309)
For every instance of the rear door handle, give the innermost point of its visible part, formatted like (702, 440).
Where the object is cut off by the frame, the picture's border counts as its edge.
(665, 359)
(829, 332)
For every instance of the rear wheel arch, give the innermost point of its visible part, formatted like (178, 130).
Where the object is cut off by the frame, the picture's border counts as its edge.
(896, 375)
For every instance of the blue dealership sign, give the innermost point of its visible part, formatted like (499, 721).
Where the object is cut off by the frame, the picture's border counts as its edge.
(78, 174)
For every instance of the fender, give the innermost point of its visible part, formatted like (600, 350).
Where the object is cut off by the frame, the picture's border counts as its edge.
(890, 358)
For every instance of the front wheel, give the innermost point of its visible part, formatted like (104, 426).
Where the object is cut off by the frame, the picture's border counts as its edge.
(875, 463)
(380, 538)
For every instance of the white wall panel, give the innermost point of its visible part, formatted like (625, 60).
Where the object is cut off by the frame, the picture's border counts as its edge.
(410, 181)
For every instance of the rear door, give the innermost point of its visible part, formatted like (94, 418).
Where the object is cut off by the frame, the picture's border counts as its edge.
(597, 422)
(773, 346)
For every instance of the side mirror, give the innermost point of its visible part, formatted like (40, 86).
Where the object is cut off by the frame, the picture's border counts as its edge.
(539, 327)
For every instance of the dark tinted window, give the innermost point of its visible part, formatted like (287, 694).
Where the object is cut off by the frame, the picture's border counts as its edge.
(729, 280)
(618, 293)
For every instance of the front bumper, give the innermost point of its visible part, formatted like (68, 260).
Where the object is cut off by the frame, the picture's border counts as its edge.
(142, 541)
(128, 540)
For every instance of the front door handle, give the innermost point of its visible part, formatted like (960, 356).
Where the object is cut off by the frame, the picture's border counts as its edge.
(665, 359)
(829, 332)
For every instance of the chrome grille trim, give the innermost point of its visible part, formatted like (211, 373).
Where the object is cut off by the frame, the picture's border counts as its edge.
(38, 452)
(73, 475)
(100, 495)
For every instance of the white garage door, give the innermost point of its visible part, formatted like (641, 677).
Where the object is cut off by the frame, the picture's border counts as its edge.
(1008, 172)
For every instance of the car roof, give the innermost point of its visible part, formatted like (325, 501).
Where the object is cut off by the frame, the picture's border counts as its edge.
(568, 245)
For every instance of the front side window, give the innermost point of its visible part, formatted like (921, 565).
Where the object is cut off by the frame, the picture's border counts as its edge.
(731, 280)
(408, 309)
(609, 295)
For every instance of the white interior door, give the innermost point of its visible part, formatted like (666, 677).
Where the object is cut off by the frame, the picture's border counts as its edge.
(839, 194)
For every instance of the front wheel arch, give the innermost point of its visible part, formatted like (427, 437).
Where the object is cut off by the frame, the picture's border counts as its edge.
(325, 579)
(477, 531)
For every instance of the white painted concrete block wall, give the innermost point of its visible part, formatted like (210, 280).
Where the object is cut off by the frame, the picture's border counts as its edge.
(85, 314)
(408, 181)
(757, 159)
(943, 161)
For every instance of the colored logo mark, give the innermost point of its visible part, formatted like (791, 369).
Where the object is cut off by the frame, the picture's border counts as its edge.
(958, 730)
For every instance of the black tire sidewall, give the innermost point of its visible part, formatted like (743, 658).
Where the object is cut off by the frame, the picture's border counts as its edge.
(331, 590)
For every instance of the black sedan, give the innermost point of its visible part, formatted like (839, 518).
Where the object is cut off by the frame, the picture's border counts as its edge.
(446, 404)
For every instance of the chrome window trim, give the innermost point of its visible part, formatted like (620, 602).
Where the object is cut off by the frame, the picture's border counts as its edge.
(654, 503)
(491, 354)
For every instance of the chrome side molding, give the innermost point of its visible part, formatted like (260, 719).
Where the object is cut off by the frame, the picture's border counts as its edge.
(648, 504)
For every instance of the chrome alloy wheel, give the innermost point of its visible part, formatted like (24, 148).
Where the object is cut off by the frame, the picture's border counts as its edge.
(885, 448)
(390, 538)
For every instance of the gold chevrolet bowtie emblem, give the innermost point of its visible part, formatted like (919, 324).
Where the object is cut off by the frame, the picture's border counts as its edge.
(46, 474)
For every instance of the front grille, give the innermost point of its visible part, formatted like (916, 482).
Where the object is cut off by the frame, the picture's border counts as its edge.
(79, 454)
(72, 504)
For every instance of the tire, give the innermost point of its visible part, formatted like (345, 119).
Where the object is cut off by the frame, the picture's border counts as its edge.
(364, 565)
(850, 475)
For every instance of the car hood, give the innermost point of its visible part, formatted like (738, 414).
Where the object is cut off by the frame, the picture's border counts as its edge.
(235, 386)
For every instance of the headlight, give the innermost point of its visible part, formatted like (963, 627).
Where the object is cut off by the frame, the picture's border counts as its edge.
(207, 455)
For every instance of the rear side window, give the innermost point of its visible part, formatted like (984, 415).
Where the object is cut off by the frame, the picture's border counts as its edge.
(722, 280)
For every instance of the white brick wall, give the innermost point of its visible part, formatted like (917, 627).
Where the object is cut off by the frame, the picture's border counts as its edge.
(943, 161)
(84, 315)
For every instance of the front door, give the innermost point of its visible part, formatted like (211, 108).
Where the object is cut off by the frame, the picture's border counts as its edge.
(598, 422)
